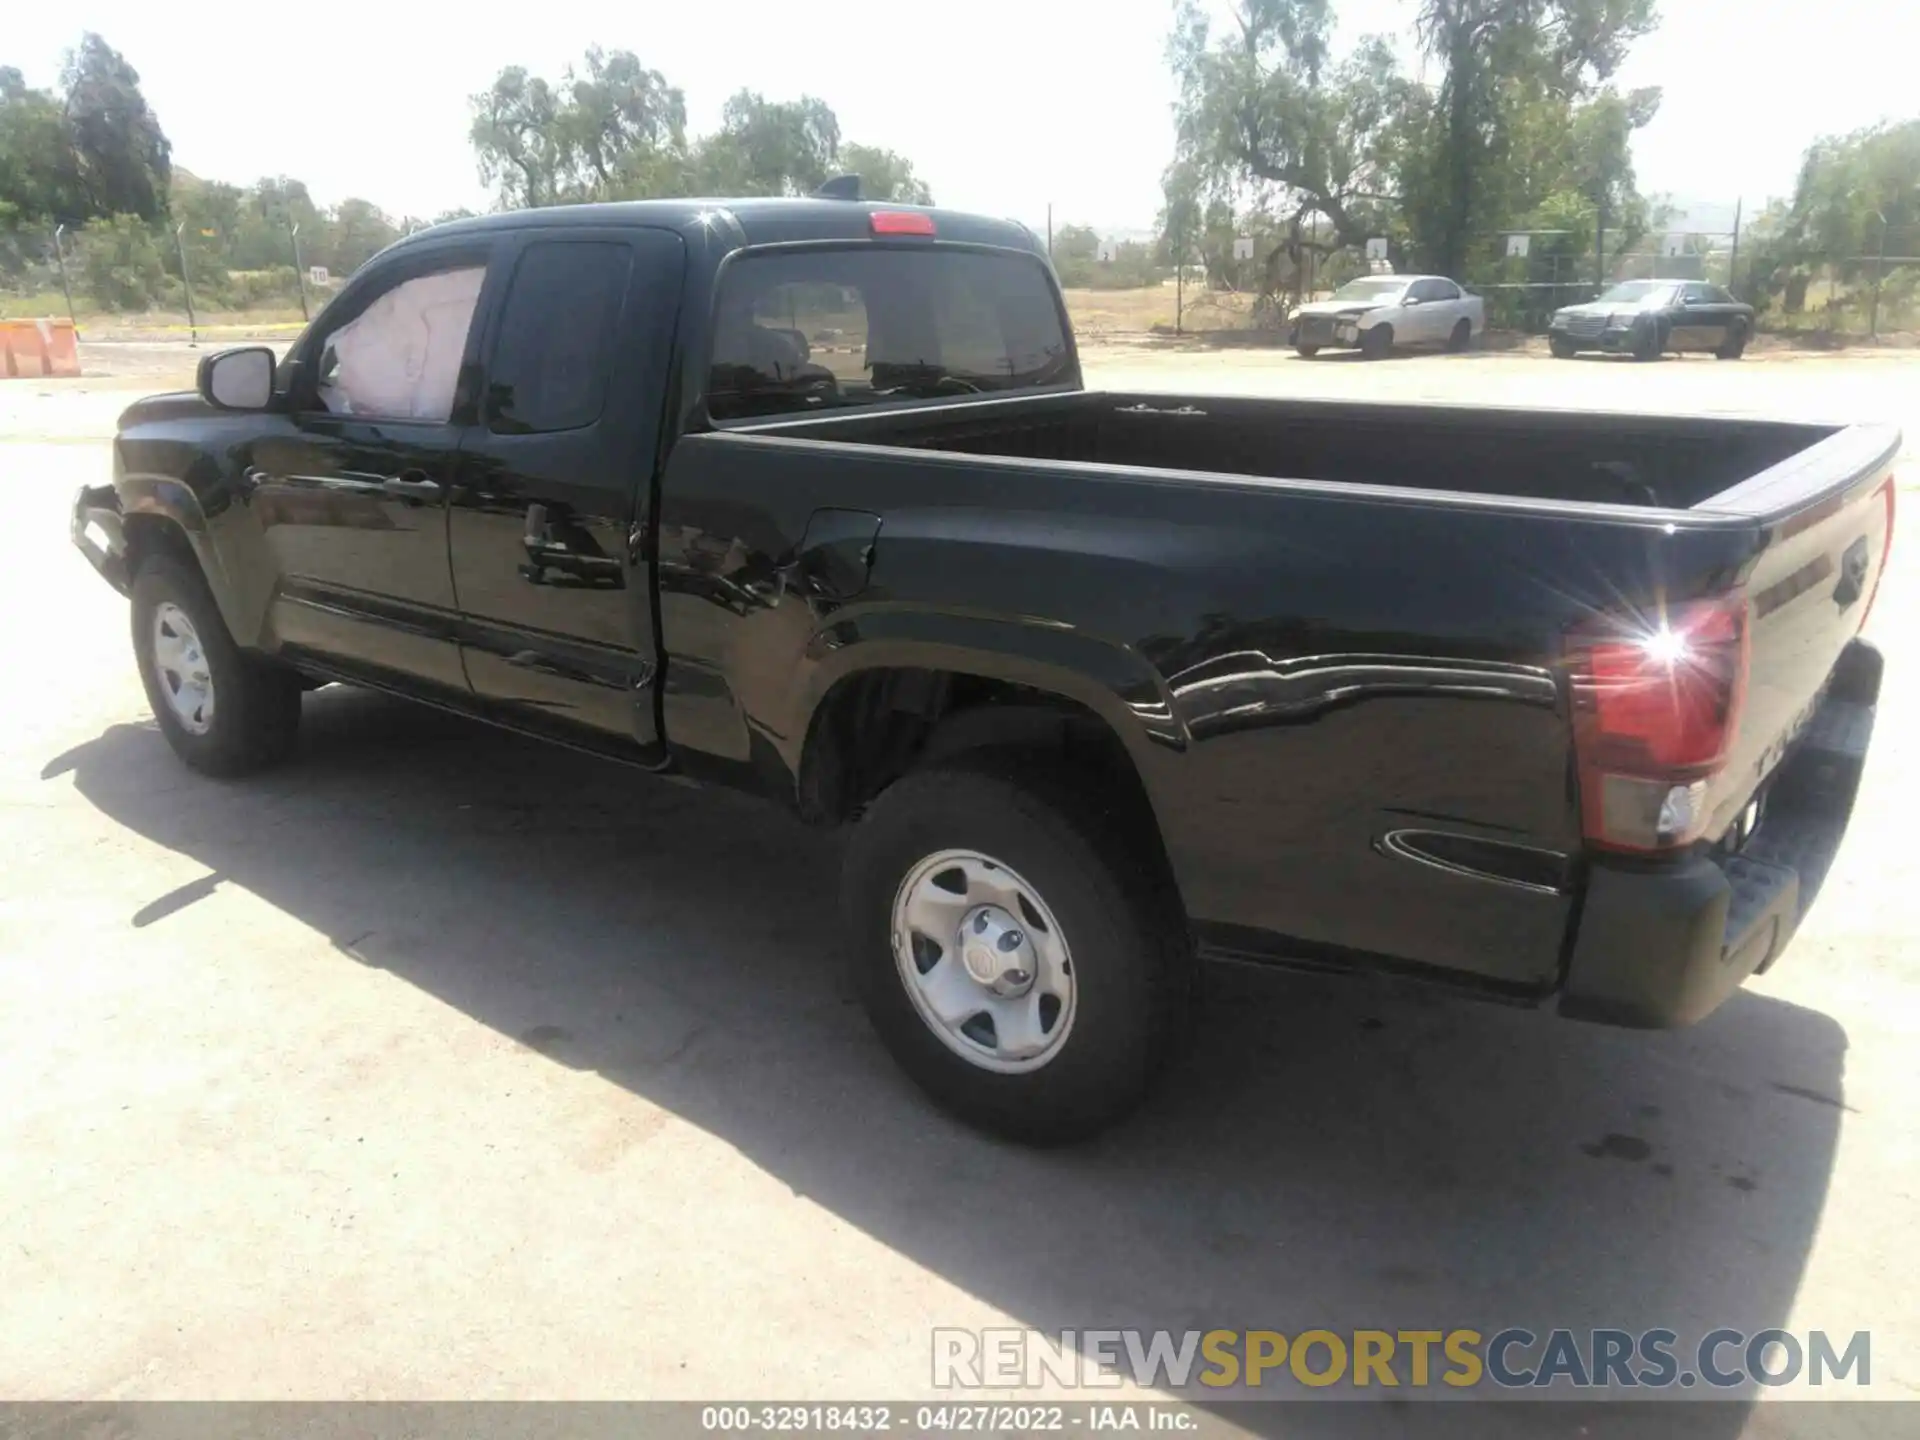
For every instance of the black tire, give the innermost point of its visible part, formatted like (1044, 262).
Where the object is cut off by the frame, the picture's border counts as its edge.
(1375, 343)
(1562, 349)
(1306, 352)
(1130, 957)
(1649, 344)
(255, 719)
(1461, 340)
(1736, 345)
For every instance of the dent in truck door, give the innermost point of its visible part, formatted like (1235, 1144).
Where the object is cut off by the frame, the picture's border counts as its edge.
(349, 486)
(548, 512)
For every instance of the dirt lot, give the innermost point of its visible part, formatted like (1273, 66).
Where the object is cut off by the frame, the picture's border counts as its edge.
(444, 1064)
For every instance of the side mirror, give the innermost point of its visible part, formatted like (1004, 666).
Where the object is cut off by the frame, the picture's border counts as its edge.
(238, 379)
(1411, 300)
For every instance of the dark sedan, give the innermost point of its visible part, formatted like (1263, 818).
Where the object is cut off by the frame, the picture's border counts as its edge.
(1648, 318)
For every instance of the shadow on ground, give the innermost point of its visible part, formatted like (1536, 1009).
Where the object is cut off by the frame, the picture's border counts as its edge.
(1334, 1154)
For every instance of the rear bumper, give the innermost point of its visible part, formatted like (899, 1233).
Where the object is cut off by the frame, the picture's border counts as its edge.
(98, 533)
(1658, 947)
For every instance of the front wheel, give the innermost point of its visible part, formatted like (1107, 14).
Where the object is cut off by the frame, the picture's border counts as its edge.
(1375, 343)
(1649, 344)
(1019, 963)
(1562, 349)
(1306, 352)
(223, 711)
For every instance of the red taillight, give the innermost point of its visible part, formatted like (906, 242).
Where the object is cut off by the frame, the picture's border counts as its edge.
(901, 222)
(1886, 555)
(1656, 707)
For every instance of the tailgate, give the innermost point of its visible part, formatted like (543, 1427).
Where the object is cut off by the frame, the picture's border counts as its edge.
(1782, 665)
(1826, 531)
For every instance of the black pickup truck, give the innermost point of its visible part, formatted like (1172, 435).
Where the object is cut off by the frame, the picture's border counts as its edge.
(806, 497)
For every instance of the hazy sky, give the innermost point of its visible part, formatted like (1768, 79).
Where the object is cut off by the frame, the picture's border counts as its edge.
(1002, 105)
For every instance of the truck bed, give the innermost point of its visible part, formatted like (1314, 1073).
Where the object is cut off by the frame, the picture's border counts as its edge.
(1329, 627)
(1669, 462)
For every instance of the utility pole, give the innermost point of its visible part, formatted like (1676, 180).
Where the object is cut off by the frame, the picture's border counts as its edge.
(1733, 260)
(186, 283)
(66, 288)
(299, 274)
(1879, 271)
(1600, 247)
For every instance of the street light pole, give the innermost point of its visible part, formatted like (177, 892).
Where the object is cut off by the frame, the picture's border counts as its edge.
(66, 288)
(186, 283)
(299, 275)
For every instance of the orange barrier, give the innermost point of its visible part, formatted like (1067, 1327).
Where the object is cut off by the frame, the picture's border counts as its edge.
(38, 347)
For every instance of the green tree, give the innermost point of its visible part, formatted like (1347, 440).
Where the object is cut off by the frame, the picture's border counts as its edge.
(768, 147)
(883, 174)
(1076, 254)
(1852, 191)
(1515, 72)
(522, 140)
(612, 129)
(121, 263)
(40, 183)
(123, 157)
(356, 231)
(1269, 122)
(261, 236)
(626, 126)
(207, 214)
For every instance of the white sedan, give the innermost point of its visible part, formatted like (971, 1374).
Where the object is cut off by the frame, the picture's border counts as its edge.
(1378, 312)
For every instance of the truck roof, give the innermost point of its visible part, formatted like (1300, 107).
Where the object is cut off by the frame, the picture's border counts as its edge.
(756, 221)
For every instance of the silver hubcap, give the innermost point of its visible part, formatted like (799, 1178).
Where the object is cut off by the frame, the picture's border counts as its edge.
(185, 681)
(984, 961)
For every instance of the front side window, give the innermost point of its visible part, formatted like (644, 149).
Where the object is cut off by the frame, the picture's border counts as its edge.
(807, 330)
(399, 359)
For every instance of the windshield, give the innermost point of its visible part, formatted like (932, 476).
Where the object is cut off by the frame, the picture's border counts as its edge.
(1631, 292)
(1374, 288)
(810, 330)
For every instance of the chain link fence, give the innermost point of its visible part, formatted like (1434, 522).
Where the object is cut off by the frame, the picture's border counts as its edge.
(1840, 291)
(123, 273)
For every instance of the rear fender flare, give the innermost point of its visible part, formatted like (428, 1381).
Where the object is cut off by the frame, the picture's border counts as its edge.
(1115, 684)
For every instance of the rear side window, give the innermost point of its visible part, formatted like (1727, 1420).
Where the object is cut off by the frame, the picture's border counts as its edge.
(554, 351)
(810, 330)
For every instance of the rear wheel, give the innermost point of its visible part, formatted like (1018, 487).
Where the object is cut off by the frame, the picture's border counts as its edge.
(1562, 349)
(1375, 343)
(1306, 352)
(223, 711)
(1462, 336)
(1020, 963)
(1735, 346)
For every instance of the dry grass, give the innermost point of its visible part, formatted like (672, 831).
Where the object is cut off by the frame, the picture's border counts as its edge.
(1097, 313)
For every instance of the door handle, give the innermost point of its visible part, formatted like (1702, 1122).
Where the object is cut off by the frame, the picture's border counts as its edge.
(411, 485)
(561, 549)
